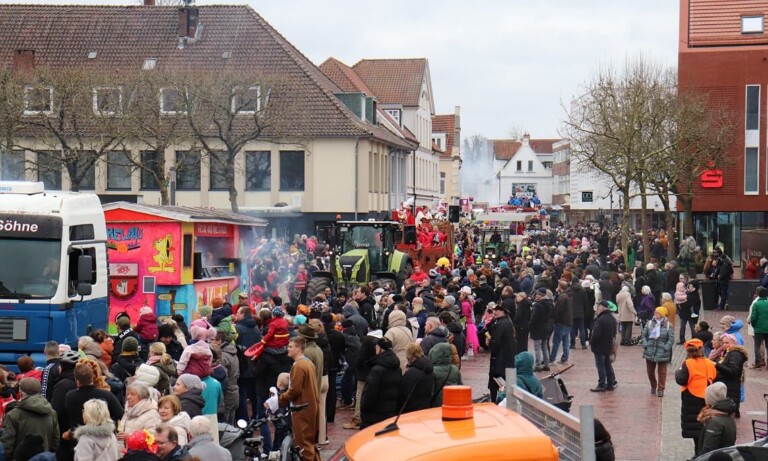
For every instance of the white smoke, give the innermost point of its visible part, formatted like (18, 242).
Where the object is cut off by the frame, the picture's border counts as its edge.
(478, 178)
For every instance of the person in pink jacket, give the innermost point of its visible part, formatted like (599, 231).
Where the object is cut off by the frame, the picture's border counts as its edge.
(196, 358)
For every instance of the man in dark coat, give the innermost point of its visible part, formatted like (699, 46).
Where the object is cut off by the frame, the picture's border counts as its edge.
(502, 347)
(166, 335)
(540, 328)
(578, 301)
(603, 334)
(366, 305)
(434, 333)
(125, 331)
(76, 398)
(563, 317)
(248, 334)
(381, 393)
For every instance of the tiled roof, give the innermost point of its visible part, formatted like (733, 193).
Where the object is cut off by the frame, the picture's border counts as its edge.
(124, 36)
(445, 124)
(344, 77)
(505, 149)
(393, 81)
(436, 148)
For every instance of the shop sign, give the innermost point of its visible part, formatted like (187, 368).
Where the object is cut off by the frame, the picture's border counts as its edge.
(712, 179)
(213, 230)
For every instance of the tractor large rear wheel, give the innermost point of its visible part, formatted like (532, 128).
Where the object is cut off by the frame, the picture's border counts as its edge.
(317, 286)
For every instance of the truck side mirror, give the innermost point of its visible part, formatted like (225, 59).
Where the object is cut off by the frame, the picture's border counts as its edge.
(84, 289)
(84, 268)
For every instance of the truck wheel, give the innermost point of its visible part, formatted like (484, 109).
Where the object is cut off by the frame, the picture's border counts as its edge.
(316, 286)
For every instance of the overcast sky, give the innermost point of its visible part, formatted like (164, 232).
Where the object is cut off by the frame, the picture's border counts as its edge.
(507, 63)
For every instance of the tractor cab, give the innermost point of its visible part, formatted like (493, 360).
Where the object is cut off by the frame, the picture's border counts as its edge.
(494, 242)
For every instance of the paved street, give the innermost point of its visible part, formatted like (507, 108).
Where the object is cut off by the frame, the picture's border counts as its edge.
(643, 427)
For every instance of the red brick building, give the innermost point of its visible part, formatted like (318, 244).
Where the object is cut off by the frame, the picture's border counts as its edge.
(724, 54)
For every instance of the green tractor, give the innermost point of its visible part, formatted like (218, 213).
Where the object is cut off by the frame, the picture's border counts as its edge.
(365, 251)
(494, 242)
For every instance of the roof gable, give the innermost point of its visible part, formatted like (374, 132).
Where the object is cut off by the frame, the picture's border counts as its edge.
(394, 81)
(505, 149)
(445, 124)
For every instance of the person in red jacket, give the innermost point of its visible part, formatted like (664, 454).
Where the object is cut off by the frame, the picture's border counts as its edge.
(277, 335)
(418, 275)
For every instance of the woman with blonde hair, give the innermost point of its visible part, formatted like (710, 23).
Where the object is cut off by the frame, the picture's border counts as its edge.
(159, 359)
(169, 408)
(96, 440)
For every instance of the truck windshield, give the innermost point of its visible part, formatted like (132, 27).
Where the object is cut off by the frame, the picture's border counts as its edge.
(31, 269)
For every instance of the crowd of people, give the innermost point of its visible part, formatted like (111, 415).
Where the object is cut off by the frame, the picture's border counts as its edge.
(159, 388)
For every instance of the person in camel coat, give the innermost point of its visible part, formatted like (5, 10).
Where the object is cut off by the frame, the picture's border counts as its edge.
(302, 389)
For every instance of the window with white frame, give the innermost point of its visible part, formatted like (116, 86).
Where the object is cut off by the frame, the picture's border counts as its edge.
(247, 100)
(519, 165)
(752, 24)
(108, 101)
(395, 114)
(530, 166)
(547, 165)
(172, 101)
(38, 100)
(752, 117)
(442, 183)
(750, 170)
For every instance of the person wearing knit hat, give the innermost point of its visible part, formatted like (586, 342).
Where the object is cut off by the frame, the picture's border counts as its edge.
(694, 375)
(32, 416)
(717, 418)
(658, 338)
(731, 325)
(128, 360)
(189, 389)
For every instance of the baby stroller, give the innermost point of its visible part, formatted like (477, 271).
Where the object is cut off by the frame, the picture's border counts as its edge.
(555, 392)
(640, 321)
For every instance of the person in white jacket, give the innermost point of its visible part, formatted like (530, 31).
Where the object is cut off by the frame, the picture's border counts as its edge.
(96, 440)
(169, 408)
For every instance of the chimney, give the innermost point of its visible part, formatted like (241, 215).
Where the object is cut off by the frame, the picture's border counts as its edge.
(188, 18)
(149, 2)
(24, 61)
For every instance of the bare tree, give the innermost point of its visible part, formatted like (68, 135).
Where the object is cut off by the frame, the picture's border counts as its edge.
(76, 116)
(698, 138)
(11, 109)
(516, 132)
(226, 111)
(155, 130)
(615, 125)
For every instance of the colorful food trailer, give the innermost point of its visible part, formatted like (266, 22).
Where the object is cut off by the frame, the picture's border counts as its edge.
(175, 259)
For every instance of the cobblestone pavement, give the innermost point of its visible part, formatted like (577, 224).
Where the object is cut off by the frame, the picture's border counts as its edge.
(643, 427)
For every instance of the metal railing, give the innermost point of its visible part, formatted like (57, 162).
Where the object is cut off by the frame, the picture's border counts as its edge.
(573, 437)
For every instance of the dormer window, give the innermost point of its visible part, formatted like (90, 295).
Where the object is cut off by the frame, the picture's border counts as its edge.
(38, 100)
(149, 63)
(172, 102)
(752, 24)
(107, 101)
(395, 114)
(247, 101)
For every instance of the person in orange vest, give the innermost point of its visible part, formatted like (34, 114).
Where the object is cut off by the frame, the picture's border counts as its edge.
(695, 374)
